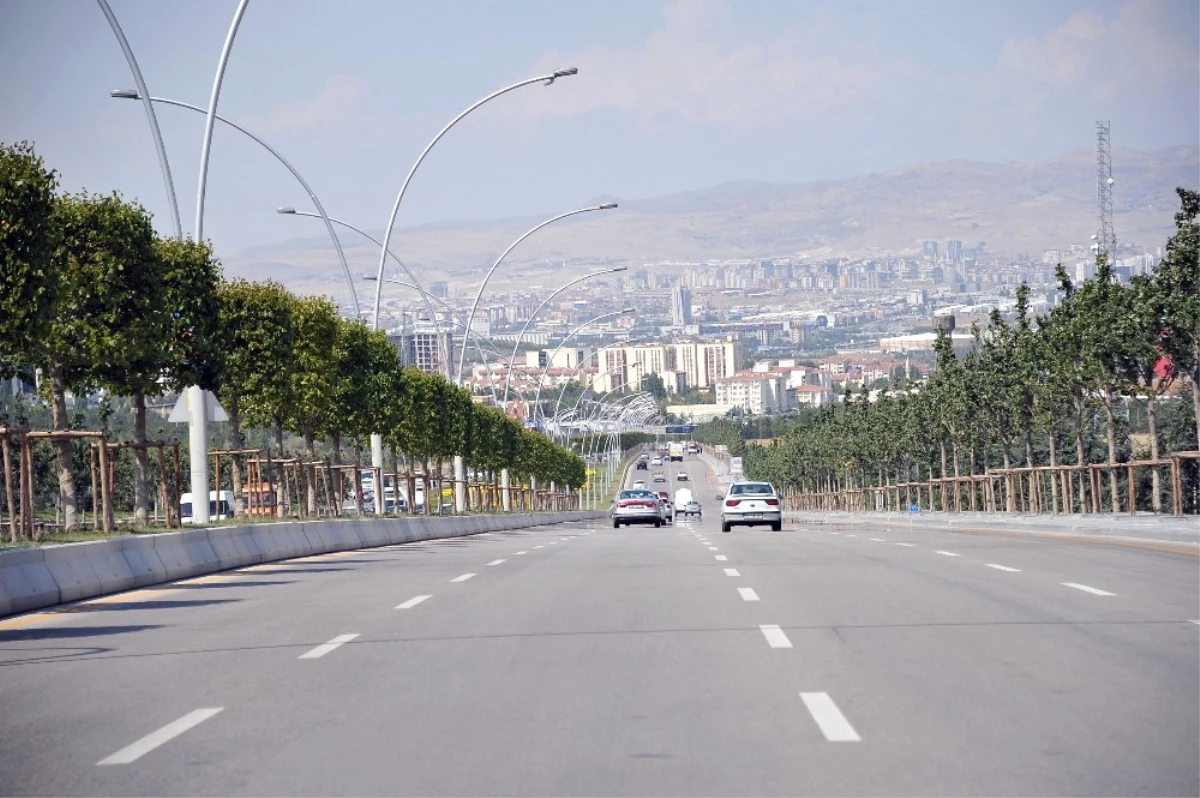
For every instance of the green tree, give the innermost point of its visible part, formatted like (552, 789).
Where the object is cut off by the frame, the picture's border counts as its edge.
(29, 285)
(311, 410)
(1178, 276)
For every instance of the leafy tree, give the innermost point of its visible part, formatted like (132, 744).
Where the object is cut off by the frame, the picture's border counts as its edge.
(313, 389)
(1179, 277)
(29, 284)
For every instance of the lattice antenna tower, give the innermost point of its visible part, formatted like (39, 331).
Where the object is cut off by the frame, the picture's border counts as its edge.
(1106, 239)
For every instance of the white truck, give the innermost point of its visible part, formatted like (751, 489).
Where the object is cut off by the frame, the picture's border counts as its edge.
(676, 452)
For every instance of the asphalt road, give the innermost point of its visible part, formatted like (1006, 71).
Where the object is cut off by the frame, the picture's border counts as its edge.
(583, 660)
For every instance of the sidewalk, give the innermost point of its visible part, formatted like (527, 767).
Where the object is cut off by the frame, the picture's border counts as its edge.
(1176, 534)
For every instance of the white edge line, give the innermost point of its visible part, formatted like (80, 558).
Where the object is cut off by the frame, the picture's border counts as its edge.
(1093, 590)
(154, 739)
(412, 602)
(829, 718)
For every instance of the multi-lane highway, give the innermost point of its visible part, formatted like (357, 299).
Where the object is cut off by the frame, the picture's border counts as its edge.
(583, 660)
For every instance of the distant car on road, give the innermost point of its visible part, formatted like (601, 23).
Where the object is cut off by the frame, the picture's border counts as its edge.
(682, 476)
(668, 508)
(640, 484)
(751, 504)
(660, 477)
(637, 507)
(641, 465)
(657, 461)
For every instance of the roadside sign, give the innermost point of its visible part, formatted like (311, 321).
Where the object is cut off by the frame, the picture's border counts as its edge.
(735, 465)
(182, 412)
(914, 508)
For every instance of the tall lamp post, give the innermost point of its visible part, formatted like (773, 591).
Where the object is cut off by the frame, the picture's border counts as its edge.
(479, 294)
(376, 439)
(131, 94)
(512, 358)
(570, 335)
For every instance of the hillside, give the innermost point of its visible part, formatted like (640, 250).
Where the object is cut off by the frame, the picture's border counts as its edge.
(1013, 207)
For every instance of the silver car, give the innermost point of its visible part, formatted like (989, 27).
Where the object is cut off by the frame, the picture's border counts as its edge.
(751, 504)
(636, 507)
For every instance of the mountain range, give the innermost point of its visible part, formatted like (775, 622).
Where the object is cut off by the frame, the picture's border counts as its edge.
(1011, 209)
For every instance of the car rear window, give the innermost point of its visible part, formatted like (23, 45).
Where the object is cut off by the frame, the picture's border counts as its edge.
(752, 489)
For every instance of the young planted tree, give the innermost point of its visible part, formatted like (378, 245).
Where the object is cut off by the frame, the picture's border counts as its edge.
(313, 391)
(1178, 278)
(256, 335)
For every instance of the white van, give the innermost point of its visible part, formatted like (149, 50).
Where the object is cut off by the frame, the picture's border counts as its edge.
(685, 503)
(220, 506)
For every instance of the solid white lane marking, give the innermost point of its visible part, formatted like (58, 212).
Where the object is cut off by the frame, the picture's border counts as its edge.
(909, 545)
(747, 594)
(1093, 590)
(412, 602)
(495, 562)
(522, 552)
(720, 557)
(732, 572)
(325, 648)
(829, 718)
(135, 751)
(1003, 568)
(462, 578)
(775, 636)
(946, 553)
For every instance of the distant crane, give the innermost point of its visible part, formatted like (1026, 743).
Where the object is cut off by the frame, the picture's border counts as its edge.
(1106, 239)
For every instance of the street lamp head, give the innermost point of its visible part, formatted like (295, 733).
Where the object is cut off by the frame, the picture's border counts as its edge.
(608, 206)
(286, 210)
(619, 269)
(629, 310)
(560, 73)
(125, 94)
(370, 277)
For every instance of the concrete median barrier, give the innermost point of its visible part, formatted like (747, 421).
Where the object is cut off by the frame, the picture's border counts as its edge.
(44, 577)
(26, 582)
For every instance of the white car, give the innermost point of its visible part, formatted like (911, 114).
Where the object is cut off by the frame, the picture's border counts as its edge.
(751, 504)
(640, 484)
(656, 461)
(682, 476)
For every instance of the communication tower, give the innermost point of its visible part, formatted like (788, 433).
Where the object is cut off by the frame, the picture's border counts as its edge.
(1106, 239)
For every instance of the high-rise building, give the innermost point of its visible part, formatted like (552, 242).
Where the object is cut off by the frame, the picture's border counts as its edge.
(931, 249)
(423, 348)
(954, 250)
(439, 289)
(681, 305)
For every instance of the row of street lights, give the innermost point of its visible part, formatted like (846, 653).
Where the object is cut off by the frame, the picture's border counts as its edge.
(198, 426)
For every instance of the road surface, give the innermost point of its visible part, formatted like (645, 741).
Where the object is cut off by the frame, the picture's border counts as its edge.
(583, 660)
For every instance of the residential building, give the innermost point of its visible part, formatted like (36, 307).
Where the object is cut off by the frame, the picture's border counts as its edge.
(754, 392)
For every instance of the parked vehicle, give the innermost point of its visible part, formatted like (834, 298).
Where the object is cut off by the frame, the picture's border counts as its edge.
(751, 504)
(259, 498)
(636, 507)
(220, 506)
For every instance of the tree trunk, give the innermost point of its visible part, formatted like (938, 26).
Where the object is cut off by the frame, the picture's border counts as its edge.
(141, 480)
(310, 474)
(1152, 420)
(1110, 422)
(1010, 499)
(66, 448)
(336, 458)
(235, 442)
(1079, 457)
(283, 497)
(1053, 474)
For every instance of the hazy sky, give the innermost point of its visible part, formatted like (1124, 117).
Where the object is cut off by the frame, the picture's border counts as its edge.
(670, 96)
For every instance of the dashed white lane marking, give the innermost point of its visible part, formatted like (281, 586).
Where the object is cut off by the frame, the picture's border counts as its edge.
(135, 751)
(462, 578)
(946, 553)
(747, 594)
(1195, 622)
(849, 535)
(539, 547)
(879, 540)
(495, 562)
(1093, 590)
(412, 602)
(325, 648)
(720, 558)
(775, 636)
(829, 718)
(908, 545)
(522, 552)
(713, 548)
(1003, 568)
(734, 572)
(553, 542)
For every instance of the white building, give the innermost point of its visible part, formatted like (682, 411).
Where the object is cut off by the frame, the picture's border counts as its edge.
(755, 392)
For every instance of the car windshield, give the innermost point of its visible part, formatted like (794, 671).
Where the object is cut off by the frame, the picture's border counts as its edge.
(636, 494)
(752, 489)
